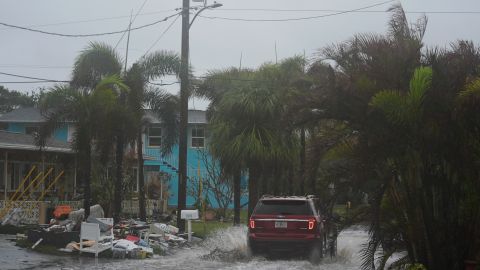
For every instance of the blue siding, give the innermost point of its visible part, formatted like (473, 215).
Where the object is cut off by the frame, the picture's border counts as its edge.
(169, 164)
(16, 127)
(61, 133)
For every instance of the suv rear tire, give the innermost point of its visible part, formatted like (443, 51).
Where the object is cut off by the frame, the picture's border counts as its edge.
(251, 248)
(316, 253)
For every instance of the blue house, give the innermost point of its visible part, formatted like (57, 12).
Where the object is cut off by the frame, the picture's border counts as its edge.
(161, 178)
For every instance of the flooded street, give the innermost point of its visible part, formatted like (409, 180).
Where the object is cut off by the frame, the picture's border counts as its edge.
(224, 250)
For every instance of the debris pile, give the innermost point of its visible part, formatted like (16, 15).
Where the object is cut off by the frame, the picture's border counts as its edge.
(64, 228)
(149, 238)
(126, 239)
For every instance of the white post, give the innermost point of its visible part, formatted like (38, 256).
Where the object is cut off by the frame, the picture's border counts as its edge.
(189, 230)
(189, 215)
(5, 175)
(75, 178)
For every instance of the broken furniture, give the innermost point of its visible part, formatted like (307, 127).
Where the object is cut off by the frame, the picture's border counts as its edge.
(103, 240)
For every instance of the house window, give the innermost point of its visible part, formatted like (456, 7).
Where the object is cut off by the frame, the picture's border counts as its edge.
(198, 137)
(31, 130)
(155, 136)
(3, 126)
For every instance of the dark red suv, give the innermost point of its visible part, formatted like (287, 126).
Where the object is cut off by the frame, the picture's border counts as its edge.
(286, 223)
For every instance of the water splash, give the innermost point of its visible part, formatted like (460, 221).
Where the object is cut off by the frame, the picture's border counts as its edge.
(227, 245)
(230, 246)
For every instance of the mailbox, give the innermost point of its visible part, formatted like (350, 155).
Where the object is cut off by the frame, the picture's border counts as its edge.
(189, 214)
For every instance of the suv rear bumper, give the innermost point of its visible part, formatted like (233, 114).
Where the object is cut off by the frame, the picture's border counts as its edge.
(300, 245)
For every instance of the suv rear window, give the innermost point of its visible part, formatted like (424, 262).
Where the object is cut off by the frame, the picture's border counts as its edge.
(283, 207)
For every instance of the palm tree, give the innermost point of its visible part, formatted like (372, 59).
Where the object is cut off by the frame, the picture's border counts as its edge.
(213, 88)
(412, 148)
(164, 104)
(99, 60)
(404, 112)
(244, 129)
(88, 110)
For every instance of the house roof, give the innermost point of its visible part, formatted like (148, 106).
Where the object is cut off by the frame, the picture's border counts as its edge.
(20, 141)
(33, 115)
(194, 117)
(23, 115)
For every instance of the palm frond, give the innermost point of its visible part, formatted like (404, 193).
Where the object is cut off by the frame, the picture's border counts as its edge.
(93, 63)
(392, 104)
(165, 106)
(112, 82)
(419, 84)
(344, 149)
(398, 24)
(159, 64)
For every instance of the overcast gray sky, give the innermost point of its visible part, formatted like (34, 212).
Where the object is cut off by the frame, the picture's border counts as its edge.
(214, 43)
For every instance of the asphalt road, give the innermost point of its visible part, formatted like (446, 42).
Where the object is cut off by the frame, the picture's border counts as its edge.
(224, 250)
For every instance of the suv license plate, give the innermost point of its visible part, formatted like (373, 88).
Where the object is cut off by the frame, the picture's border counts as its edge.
(281, 224)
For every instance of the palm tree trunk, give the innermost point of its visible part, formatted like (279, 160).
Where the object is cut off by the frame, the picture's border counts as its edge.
(236, 197)
(276, 181)
(87, 168)
(302, 162)
(141, 179)
(253, 179)
(264, 180)
(119, 178)
(290, 190)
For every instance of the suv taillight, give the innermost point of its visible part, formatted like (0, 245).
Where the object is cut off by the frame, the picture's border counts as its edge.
(252, 224)
(311, 224)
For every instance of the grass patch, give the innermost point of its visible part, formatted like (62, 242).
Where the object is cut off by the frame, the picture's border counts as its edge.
(340, 210)
(202, 230)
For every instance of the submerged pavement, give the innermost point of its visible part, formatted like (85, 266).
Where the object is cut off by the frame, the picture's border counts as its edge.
(224, 250)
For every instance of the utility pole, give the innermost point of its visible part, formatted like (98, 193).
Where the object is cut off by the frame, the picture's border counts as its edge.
(184, 94)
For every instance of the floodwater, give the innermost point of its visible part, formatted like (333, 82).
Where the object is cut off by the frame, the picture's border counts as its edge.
(224, 250)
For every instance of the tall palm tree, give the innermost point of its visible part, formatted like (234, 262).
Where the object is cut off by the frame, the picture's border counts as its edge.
(92, 64)
(88, 110)
(99, 60)
(162, 103)
(244, 130)
(405, 112)
(213, 88)
(283, 81)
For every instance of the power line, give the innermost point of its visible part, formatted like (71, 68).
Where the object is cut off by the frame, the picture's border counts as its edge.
(161, 35)
(34, 66)
(130, 23)
(229, 79)
(163, 84)
(46, 81)
(250, 9)
(32, 78)
(351, 11)
(298, 18)
(87, 35)
(97, 19)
